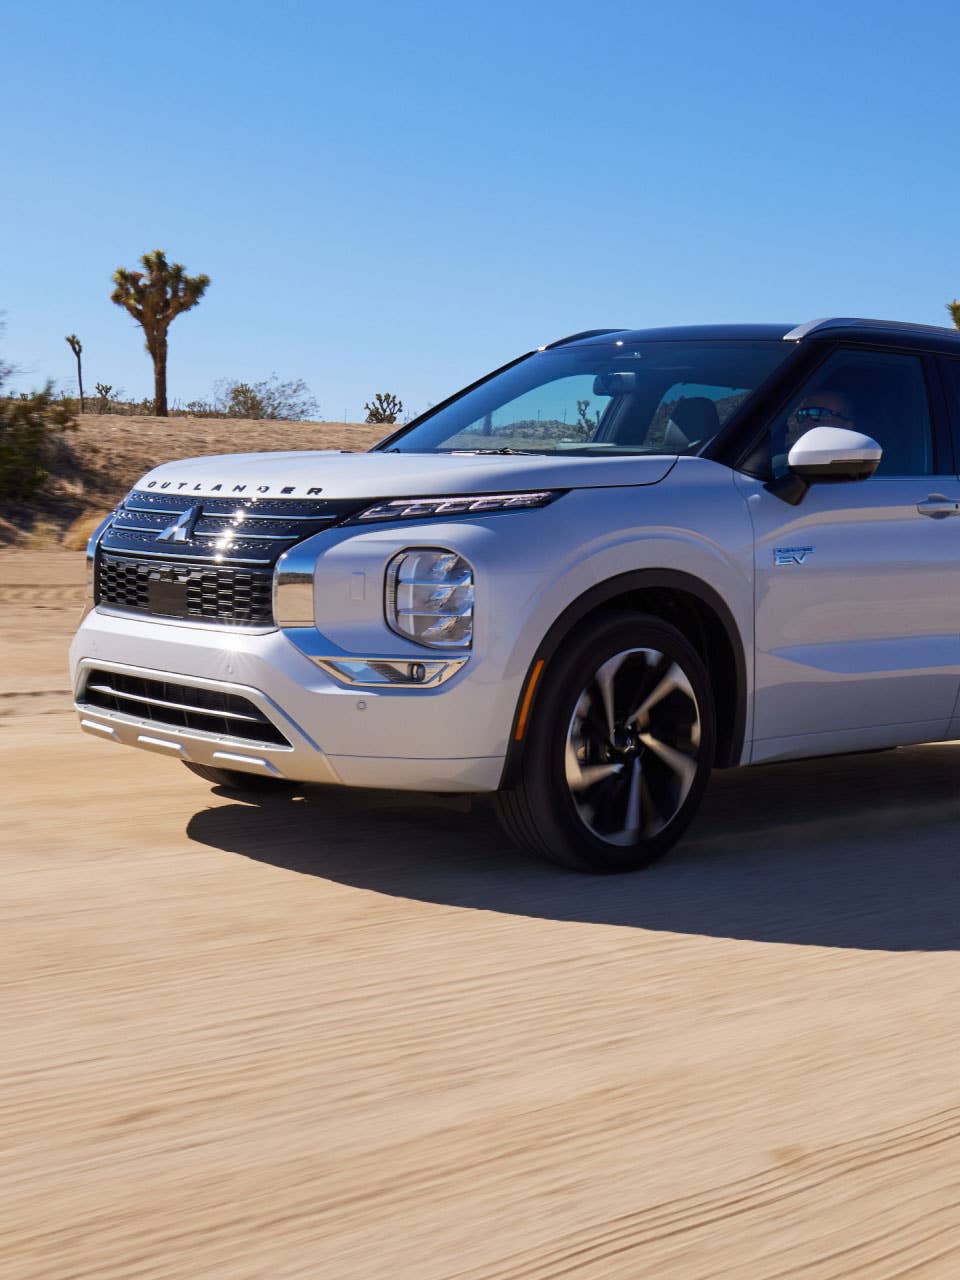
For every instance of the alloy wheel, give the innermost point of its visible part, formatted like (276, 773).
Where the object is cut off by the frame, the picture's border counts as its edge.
(632, 748)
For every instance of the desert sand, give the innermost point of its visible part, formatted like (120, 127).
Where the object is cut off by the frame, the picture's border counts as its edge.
(345, 1036)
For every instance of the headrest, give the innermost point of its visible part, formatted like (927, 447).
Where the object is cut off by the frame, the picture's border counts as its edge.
(696, 416)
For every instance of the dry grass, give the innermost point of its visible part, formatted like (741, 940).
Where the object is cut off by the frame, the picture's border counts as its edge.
(78, 534)
(10, 535)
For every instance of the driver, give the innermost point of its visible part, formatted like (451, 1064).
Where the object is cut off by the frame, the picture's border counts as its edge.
(819, 409)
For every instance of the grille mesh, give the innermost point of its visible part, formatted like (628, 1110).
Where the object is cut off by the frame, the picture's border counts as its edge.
(217, 593)
(179, 706)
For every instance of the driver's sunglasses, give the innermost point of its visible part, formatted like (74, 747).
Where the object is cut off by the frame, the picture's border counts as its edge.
(815, 413)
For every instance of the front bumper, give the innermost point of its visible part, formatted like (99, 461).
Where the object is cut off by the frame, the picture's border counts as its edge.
(449, 738)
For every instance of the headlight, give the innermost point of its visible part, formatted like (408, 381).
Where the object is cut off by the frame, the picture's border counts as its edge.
(430, 597)
(470, 504)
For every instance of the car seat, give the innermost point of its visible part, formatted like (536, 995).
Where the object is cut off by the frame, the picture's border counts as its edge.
(693, 419)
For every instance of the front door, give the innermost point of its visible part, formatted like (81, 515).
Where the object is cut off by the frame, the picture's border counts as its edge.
(858, 587)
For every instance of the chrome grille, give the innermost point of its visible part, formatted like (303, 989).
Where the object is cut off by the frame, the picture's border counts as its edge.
(226, 530)
(178, 706)
(219, 567)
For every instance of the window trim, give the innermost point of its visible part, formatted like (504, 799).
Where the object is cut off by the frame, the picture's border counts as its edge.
(950, 402)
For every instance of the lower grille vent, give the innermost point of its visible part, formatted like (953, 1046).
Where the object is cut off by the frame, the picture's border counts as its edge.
(180, 706)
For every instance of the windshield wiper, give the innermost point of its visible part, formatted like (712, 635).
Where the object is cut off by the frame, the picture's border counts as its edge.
(505, 450)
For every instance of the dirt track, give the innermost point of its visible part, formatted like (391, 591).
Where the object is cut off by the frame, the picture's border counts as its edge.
(358, 1036)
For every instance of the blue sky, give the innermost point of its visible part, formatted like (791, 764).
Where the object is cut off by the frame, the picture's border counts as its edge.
(402, 196)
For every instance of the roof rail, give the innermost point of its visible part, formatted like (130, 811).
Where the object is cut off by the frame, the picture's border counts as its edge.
(576, 337)
(853, 322)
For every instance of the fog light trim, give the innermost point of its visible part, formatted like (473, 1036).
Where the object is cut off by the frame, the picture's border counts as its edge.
(391, 673)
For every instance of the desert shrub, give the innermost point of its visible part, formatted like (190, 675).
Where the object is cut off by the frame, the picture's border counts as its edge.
(384, 408)
(244, 402)
(272, 399)
(129, 408)
(197, 409)
(31, 441)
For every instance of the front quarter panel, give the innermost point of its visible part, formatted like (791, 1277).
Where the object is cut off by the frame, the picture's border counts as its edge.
(530, 567)
(693, 523)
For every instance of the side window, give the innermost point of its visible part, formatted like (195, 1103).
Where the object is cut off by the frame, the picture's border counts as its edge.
(883, 395)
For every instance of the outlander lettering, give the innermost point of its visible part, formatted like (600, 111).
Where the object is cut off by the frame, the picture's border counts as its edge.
(285, 490)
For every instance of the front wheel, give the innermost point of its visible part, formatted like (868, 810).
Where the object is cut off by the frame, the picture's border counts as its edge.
(619, 749)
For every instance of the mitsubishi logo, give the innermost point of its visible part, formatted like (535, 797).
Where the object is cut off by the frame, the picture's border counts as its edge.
(182, 528)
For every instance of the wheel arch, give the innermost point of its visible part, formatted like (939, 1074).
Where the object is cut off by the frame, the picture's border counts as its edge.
(685, 601)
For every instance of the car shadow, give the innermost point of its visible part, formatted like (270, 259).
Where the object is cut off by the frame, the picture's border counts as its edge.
(853, 851)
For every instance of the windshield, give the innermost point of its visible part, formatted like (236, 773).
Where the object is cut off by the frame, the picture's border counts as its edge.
(615, 397)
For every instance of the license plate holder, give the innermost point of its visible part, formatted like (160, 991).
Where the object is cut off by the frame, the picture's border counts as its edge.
(167, 597)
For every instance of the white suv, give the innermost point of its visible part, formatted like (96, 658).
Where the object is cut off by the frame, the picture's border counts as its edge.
(581, 583)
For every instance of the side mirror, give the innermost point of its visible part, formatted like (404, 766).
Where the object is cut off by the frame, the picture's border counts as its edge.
(826, 455)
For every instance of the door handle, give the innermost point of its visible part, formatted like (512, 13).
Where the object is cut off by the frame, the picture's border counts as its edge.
(937, 507)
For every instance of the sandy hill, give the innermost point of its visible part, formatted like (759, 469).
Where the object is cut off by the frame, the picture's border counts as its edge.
(116, 451)
(108, 453)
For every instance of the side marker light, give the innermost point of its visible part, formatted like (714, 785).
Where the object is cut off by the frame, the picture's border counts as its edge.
(535, 675)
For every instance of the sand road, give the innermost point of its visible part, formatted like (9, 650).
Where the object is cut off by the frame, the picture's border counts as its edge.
(356, 1035)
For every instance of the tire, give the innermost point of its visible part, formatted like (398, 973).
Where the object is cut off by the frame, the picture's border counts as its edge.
(237, 780)
(604, 802)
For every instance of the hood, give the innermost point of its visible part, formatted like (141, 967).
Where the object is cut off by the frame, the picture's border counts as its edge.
(310, 474)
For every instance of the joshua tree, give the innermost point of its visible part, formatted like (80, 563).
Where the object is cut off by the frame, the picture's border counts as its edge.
(385, 408)
(76, 346)
(585, 420)
(954, 309)
(103, 391)
(154, 297)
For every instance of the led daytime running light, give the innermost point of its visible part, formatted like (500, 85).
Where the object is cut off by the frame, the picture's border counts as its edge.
(468, 504)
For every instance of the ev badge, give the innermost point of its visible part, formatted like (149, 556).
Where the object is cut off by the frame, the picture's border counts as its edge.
(182, 528)
(791, 555)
